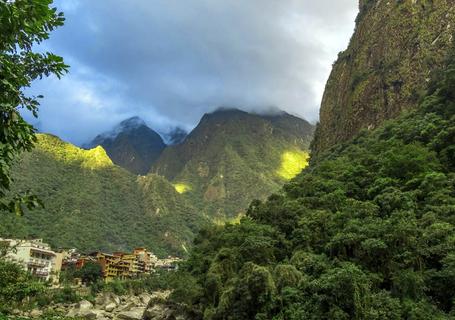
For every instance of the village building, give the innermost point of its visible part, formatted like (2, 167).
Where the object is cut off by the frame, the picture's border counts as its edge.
(37, 257)
(34, 256)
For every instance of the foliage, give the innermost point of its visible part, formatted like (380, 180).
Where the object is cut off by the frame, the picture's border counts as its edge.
(367, 232)
(160, 280)
(65, 295)
(90, 272)
(24, 24)
(16, 285)
(68, 274)
(292, 163)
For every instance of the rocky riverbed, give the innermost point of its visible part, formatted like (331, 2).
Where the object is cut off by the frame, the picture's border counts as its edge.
(108, 306)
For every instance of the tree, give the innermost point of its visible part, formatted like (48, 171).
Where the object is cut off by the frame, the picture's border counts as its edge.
(16, 284)
(91, 272)
(23, 24)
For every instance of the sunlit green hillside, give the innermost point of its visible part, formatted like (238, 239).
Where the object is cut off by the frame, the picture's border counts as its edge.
(92, 204)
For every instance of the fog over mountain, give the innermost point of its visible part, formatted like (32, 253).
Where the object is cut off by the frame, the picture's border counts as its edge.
(171, 61)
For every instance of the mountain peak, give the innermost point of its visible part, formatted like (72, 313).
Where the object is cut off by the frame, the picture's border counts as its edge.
(234, 156)
(132, 122)
(131, 144)
(268, 112)
(225, 111)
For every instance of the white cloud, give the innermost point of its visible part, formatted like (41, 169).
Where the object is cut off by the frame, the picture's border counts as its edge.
(169, 61)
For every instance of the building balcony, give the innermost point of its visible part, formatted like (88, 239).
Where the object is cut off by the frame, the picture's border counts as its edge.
(41, 273)
(37, 263)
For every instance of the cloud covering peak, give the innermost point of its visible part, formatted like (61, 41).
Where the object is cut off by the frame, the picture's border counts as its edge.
(171, 61)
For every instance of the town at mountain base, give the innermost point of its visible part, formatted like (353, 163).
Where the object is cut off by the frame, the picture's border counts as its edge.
(39, 259)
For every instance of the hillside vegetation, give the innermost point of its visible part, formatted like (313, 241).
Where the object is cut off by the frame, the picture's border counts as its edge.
(367, 232)
(91, 204)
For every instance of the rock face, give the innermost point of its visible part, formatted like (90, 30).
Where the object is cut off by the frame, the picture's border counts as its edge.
(389, 62)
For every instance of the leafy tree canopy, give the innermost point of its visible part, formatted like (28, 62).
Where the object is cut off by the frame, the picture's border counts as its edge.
(91, 272)
(23, 25)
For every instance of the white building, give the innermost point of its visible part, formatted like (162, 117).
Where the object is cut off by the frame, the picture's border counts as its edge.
(35, 256)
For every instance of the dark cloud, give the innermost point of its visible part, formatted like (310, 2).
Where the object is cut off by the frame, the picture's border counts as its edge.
(170, 61)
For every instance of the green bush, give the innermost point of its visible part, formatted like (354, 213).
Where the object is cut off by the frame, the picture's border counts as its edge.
(65, 295)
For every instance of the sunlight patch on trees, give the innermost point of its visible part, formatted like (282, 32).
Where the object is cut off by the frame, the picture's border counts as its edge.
(182, 188)
(292, 163)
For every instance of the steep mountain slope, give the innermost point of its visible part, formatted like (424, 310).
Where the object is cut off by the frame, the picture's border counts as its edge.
(366, 232)
(92, 204)
(386, 68)
(131, 145)
(233, 156)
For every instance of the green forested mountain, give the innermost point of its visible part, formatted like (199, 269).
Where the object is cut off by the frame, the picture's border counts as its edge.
(131, 145)
(233, 157)
(366, 232)
(92, 204)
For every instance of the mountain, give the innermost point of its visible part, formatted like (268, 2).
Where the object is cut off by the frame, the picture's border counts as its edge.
(384, 72)
(131, 145)
(233, 157)
(92, 204)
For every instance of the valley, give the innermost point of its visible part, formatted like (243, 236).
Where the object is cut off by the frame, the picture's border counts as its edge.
(250, 215)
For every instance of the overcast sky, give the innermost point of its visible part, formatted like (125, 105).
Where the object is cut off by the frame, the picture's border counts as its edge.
(171, 61)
